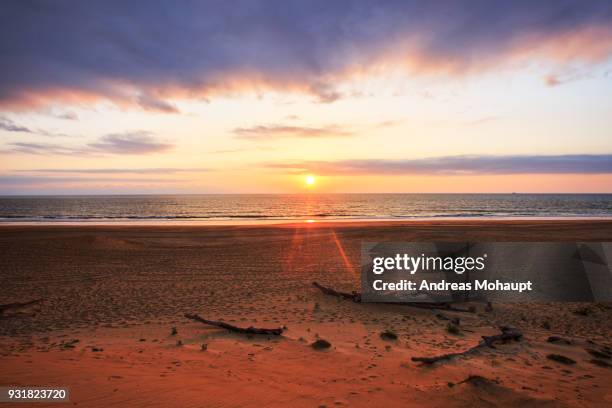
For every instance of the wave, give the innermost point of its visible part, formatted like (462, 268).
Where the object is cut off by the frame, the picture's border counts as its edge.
(282, 207)
(19, 218)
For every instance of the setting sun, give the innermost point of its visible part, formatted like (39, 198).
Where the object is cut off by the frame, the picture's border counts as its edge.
(310, 180)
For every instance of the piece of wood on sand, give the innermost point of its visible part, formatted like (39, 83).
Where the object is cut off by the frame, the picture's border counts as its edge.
(354, 296)
(507, 334)
(235, 329)
(15, 307)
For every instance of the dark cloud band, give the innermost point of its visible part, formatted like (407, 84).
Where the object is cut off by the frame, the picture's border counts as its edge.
(140, 52)
(459, 165)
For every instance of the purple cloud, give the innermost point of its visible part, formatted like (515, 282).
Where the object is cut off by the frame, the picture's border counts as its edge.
(159, 170)
(141, 53)
(459, 165)
(137, 142)
(148, 102)
(10, 126)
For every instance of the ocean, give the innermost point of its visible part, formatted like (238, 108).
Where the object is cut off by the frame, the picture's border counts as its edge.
(285, 207)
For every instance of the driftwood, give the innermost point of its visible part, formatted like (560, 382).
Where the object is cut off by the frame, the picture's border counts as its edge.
(454, 320)
(507, 333)
(17, 305)
(356, 297)
(561, 359)
(438, 306)
(235, 329)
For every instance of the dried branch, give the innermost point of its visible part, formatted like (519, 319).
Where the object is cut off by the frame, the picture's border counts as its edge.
(17, 305)
(354, 296)
(507, 333)
(235, 329)
(438, 306)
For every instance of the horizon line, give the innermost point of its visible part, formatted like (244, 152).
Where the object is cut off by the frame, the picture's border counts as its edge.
(303, 193)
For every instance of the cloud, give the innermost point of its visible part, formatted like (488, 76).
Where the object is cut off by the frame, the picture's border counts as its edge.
(153, 104)
(388, 123)
(278, 131)
(458, 165)
(139, 142)
(10, 126)
(563, 77)
(146, 53)
(250, 148)
(67, 115)
(552, 80)
(129, 143)
(24, 181)
(325, 92)
(160, 170)
(42, 149)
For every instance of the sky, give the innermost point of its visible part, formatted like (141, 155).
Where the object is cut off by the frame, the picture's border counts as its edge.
(111, 97)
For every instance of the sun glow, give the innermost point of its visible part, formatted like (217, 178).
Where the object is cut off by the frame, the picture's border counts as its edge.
(310, 180)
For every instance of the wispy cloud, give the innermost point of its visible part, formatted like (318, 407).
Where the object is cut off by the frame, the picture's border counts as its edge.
(458, 165)
(24, 181)
(275, 131)
(250, 148)
(138, 142)
(134, 143)
(564, 76)
(553, 80)
(151, 103)
(10, 126)
(69, 115)
(324, 91)
(118, 52)
(43, 149)
(388, 123)
(278, 131)
(160, 170)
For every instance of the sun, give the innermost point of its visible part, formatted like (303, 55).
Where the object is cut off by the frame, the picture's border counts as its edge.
(310, 180)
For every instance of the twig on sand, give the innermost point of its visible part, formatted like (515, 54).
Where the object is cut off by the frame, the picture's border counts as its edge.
(356, 297)
(235, 329)
(507, 333)
(477, 380)
(17, 305)
(439, 306)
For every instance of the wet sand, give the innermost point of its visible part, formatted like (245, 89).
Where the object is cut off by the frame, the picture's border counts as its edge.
(119, 291)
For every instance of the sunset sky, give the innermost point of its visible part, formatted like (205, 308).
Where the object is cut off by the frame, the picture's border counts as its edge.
(253, 96)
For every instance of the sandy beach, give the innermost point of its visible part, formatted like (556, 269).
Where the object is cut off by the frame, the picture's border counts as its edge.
(111, 323)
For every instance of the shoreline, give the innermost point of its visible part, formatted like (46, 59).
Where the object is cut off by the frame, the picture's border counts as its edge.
(298, 221)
